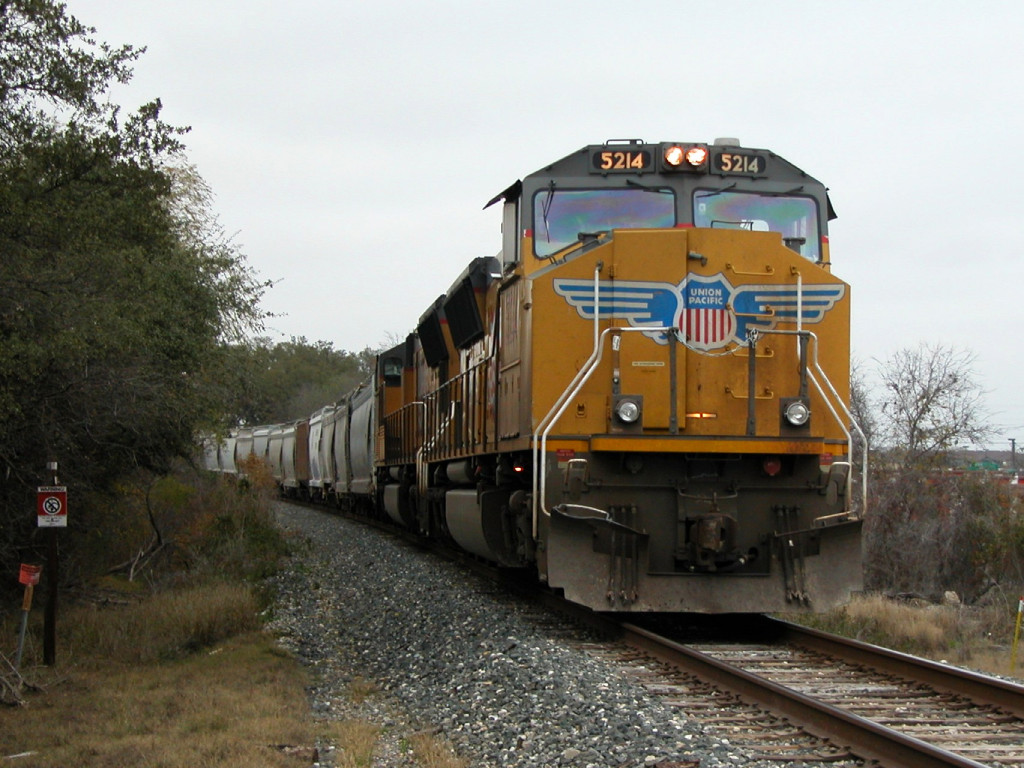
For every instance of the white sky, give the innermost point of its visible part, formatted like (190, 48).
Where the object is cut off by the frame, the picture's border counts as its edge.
(352, 145)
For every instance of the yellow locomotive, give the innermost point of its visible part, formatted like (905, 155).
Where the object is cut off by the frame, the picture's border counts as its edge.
(643, 396)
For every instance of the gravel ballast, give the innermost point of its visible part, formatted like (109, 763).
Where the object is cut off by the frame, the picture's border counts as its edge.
(452, 654)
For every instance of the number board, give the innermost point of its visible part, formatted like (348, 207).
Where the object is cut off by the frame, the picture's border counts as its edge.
(740, 164)
(621, 160)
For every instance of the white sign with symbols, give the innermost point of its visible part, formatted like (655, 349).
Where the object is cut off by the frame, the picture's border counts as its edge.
(52, 506)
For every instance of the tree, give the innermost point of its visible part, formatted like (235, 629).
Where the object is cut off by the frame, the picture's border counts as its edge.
(42, 58)
(930, 404)
(289, 380)
(117, 289)
(861, 405)
(926, 528)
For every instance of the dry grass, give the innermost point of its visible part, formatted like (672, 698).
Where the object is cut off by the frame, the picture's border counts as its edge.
(241, 704)
(355, 740)
(360, 689)
(975, 637)
(432, 752)
(928, 629)
(179, 678)
(165, 626)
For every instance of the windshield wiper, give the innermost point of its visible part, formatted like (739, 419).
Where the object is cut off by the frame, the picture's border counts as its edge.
(656, 190)
(546, 209)
(702, 195)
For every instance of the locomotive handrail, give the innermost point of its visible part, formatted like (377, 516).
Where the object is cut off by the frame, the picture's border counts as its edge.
(476, 377)
(418, 459)
(442, 423)
(552, 417)
(768, 270)
(564, 397)
(849, 438)
(587, 370)
(846, 411)
(601, 516)
(399, 422)
(800, 333)
(850, 420)
(835, 415)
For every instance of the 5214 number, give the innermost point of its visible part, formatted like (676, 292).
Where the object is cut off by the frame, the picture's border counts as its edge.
(729, 162)
(623, 161)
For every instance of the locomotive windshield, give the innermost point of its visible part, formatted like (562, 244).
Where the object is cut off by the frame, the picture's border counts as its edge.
(561, 216)
(795, 217)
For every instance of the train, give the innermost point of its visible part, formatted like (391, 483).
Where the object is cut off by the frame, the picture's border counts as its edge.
(643, 398)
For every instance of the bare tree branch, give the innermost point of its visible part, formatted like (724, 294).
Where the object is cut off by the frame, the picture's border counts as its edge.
(931, 403)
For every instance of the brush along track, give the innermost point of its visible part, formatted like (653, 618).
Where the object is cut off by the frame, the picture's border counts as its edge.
(863, 702)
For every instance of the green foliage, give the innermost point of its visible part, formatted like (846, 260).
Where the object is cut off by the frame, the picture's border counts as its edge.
(290, 380)
(186, 527)
(53, 77)
(111, 528)
(49, 58)
(117, 289)
(234, 534)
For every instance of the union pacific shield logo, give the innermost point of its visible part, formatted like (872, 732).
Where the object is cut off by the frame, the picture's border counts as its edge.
(708, 312)
(706, 322)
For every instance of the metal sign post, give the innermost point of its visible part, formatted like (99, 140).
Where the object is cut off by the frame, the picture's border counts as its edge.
(51, 513)
(29, 576)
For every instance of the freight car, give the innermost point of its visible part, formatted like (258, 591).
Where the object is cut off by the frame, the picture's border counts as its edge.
(642, 397)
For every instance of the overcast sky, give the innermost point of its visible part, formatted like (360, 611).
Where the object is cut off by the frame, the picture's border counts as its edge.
(352, 145)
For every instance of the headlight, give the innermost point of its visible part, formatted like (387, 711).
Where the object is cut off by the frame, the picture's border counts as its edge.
(696, 156)
(797, 413)
(627, 411)
(685, 157)
(674, 155)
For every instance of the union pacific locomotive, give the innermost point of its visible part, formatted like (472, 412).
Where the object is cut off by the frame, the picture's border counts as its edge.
(642, 396)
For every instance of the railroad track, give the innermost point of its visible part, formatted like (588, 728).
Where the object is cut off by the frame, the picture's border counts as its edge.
(790, 694)
(809, 697)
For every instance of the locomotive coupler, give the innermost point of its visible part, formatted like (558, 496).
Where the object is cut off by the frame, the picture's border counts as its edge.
(707, 542)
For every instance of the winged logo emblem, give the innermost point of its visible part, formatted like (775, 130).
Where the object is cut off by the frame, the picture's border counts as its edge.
(708, 312)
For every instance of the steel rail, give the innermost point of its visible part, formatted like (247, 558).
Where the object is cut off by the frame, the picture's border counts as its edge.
(979, 688)
(864, 738)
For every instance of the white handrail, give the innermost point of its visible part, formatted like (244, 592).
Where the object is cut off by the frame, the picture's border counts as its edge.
(565, 394)
(558, 409)
(849, 418)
